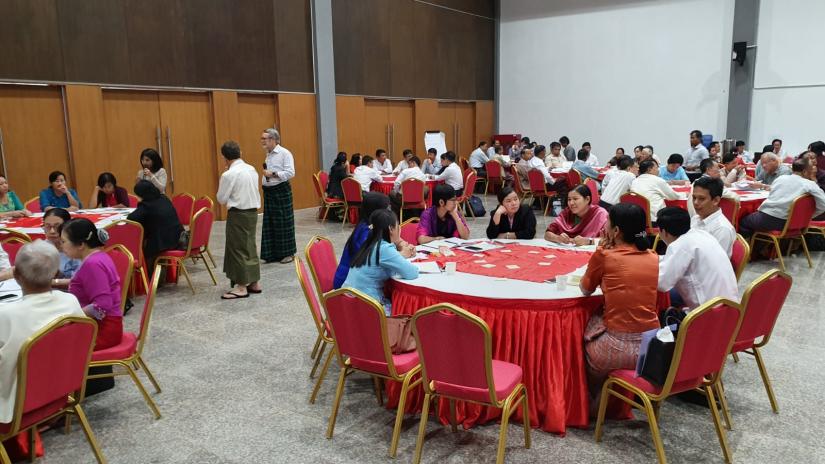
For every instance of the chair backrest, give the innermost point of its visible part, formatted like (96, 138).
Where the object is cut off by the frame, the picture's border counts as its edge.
(762, 302)
(408, 229)
(11, 241)
(517, 182)
(638, 200)
(51, 366)
(201, 229)
(412, 192)
(130, 235)
(203, 202)
(536, 178)
(33, 205)
(352, 190)
(574, 178)
(9, 233)
(464, 164)
(323, 179)
(133, 201)
(148, 309)
(320, 190)
(800, 215)
(594, 191)
(311, 296)
(704, 340)
(469, 184)
(183, 203)
(359, 327)
(320, 255)
(125, 265)
(495, 171)
(730, 209)
(740, 255)
(455, 347)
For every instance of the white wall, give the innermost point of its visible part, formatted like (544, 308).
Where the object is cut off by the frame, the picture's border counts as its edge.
(615, 72)
(789, 81)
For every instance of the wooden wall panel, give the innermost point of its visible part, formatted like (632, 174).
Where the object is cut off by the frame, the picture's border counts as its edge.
(362, 46)
(402, 123)
(465, 119)
(350, 122)
(376, 128)
(89, 142)
(34, 135)
(297, 116)
(426, 114)
(445, 122)
(293, 45)
(485, 120)
(30, 36)
(256, 112)
(94, 46)
(404, 67)
(160, 44)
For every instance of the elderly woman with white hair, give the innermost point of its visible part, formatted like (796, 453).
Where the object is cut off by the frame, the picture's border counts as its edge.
(278, 231)
(35, 265)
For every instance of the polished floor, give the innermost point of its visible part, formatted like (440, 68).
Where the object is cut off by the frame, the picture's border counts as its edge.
(235, 389)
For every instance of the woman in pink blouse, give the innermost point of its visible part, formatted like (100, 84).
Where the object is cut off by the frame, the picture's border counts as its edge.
(96, 283)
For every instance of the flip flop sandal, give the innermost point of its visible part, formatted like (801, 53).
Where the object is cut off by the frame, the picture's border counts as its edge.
(235, 296)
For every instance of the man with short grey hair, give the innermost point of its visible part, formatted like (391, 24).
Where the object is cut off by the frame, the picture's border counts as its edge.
(278, 232)
(35, 266)
(772, 168)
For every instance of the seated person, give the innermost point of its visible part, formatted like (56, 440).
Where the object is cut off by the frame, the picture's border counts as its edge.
(10, 205)
(592, 159)
(647, 153)
(554, 159)
(382, 164)
(337, 173)
(583, 168)
(6, 269)
(107, 194)
(412, 172)
(757, 158)
(36, 263)
(580, 222)
(478, 159)
(705, 197)
(442, 219)
(732, 171)
(432, 165)
(161, 227)
(366, 174)
(58, 194)
(378, 260)
(354, 162)
(96, 284)
(772, 169)
(674, 173)
(499, 156)
(709, 168)
(53, 221)
(745, 155)
(451, 173)
(773, 213)
(403, 164)
(627, 272)
(713, 151)
(695, 265)
(617, 183)
(652, 187)
(529, 162)
(614, 161)
(511, 219)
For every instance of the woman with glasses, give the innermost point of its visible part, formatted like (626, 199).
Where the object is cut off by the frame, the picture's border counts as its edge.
(53, 221)
(442, 219)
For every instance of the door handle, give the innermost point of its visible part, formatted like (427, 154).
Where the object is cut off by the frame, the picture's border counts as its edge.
(158, 141)
(171, 158)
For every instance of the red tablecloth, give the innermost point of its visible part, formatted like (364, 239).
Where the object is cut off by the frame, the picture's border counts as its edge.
(29, 224)
(386, 186)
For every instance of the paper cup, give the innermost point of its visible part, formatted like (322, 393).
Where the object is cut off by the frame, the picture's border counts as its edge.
(561, 283)
(450, 267)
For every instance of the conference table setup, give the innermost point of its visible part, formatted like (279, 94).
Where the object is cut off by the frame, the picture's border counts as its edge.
(33, 225)
(528, 293)
(749, 199)
(388, 182)
(564, 171)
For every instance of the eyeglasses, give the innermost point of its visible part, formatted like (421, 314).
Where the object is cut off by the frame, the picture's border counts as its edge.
(48, 227)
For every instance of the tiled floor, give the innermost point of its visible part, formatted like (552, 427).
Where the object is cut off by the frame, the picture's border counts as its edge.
(235, 388)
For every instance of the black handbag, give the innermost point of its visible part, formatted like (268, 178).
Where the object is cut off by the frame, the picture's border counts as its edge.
(659, 355)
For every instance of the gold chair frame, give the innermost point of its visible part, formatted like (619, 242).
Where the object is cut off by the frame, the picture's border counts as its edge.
(124, 292)
(774, 239)
(325, 203)
(141, 269)
(162, 260)
(742, 241)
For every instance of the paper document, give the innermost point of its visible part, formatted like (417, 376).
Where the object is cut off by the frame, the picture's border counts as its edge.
(428, 267)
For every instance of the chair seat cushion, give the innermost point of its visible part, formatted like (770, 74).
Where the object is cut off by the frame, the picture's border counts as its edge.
(122, 350)
(332, 200)
(820, 224)
(506, 376)
(37, 415)
(778, 233)
(173, 253)
(652, 231)
(404, 362)
(629, 376)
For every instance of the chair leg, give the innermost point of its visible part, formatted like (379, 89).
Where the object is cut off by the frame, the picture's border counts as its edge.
(525, 419)
(145, 278)
(765, 379)
(378, 393)
(654, 429)
(399, 415)
(778, 253)
(186, 274)
(805, 248)
(720, 431)
(317, 360)
(142, 390)
(735, 358)
(90, 436)
(723, 401)
(321, 376)
(422, 427)
(453, 424)
(209, 269)
(32, 445)
(4, 457)
(502, 434)
(339, 391)
(315, 347)
(209, 253)
(151, 377)
(326, 211)
(602, 409)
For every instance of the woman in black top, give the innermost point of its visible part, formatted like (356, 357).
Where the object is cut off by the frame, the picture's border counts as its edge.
(337, 173)
(157, 215)
(511, 219)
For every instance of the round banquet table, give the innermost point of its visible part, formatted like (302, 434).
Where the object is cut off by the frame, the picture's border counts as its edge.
(749, 200)
(533, 324)
(558, 173)
(388, 183)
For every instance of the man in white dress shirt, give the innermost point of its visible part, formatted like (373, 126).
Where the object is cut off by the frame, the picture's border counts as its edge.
(382, 164)
(617, 183)
(695, 266)
(238, 190)
(707, 192)
(696, 153)
(744, 154)
(278, 231)
(366, 174)
(478, 159)
(451, 175)
(592, 160)
(36, 263)
(432, 165)
(403, 164)
(412, 172)
(529, 162)
(652, 187)
(491, 152)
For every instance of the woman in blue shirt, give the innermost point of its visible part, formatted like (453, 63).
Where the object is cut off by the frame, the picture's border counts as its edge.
(58, 194)
(379, 260)
(674, 173)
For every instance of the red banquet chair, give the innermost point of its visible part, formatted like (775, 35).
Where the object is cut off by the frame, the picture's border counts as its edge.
(703, 341)
(412, 196)
(464, 164)
(324, 340)
(495, 176)
(469, 186)
(353, 196)
(11, 241)
(130, 235)
(201, 229)
(538, 188)
(124, 263)
(205, 202)
(816, 227)
(644, 203)
(522, 194)
(408, 230)
(455, 349)
(320, 256)
(51, 380)
(133, 201)
(799, 218)
(740, 255)
(33, 205)
(184, 204)
(594, 191)
(359, 328)
(730, 209)
(128, 354)
(319, 180)
(574, 178)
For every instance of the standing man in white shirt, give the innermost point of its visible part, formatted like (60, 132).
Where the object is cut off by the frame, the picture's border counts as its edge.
(592, 159)
(707, 192)
(382, 163)
(744, 154)
(695, 265)
(366, 174)
(451, 175)
(238, 190)
(432, 165)
(278, 232)
(696, 153)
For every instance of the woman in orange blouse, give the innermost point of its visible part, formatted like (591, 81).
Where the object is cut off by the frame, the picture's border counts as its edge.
(628, 274)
